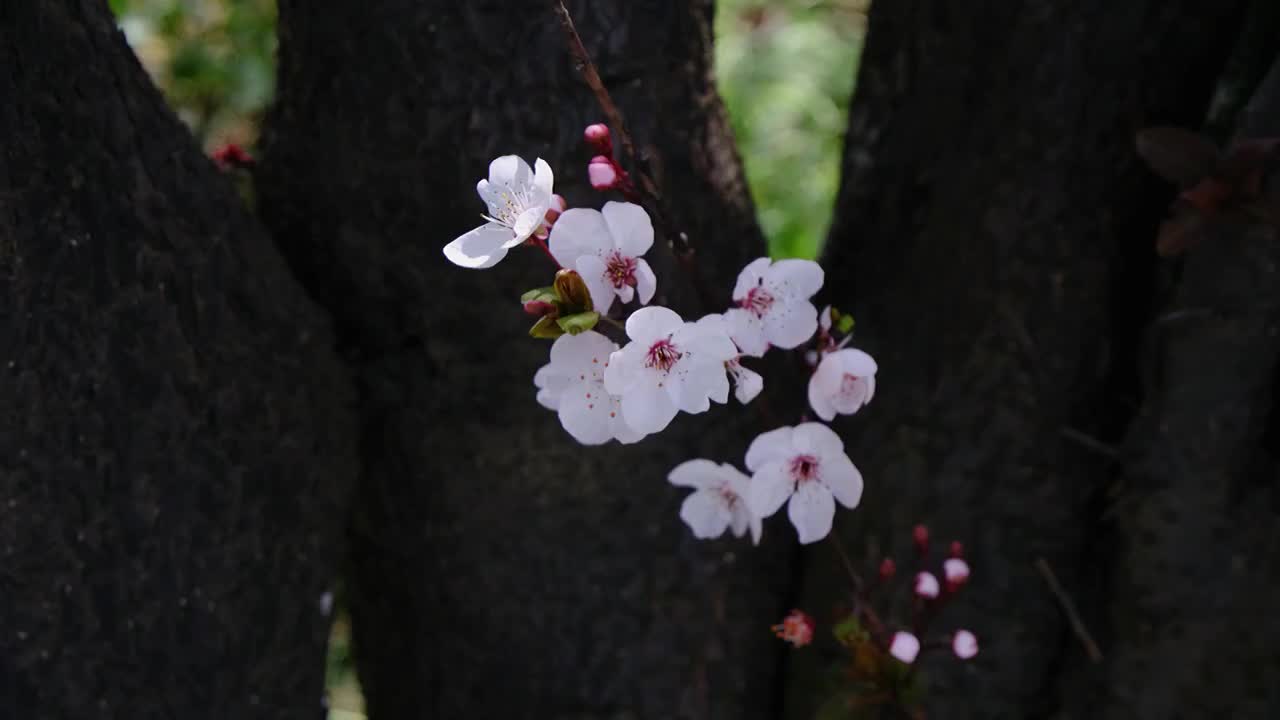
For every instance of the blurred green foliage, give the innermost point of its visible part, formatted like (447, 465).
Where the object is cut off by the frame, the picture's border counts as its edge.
(785, 67)
(786, 70)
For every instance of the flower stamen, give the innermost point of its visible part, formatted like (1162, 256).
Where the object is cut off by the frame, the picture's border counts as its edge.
(662, 355)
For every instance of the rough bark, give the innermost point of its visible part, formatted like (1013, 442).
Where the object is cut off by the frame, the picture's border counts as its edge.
(1195, 512)
(993, 239)
(497, 568)
(174, 440)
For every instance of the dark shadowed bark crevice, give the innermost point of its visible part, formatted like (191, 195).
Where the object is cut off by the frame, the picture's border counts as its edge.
(497, 569)
(174, 425)
(993, 239)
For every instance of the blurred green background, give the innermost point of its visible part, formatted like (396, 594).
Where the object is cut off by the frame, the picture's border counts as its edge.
(785, 68)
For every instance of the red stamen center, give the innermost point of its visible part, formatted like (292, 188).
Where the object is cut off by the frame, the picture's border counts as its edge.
(620, 270)
(758, 301)
(662, 355)
(804, 468)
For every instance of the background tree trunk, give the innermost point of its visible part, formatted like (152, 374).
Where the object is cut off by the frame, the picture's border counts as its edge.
(174, 440)
(497, 568)
(994, 239)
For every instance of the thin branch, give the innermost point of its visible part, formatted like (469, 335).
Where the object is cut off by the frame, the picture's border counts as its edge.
(1069, 608)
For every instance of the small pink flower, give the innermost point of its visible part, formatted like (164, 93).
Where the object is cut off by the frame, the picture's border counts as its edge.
(964, 644)
(602, 173)
(597, 136)
(796, 628)
(956, 572)
(926, 585)
(904, 646)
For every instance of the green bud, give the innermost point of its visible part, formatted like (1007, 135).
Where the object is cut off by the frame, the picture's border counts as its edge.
(581, 322)
(546, 328)
(844, 323)
(542, 294)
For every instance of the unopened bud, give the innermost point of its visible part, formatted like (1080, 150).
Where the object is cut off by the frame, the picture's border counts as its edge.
(927, 585)
(602, 173)
(956, 572)
(957, 549)
(904, 646)
(920, 536)
(964, 644)
(597, 136)
(887, 568)
(573, 291)
(538, 308)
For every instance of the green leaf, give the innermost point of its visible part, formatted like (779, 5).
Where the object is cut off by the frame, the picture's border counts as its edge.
(542, 294)
(545, 329)
(574, 324)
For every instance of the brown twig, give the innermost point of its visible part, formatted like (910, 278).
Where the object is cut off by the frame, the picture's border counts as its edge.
(1069, 608)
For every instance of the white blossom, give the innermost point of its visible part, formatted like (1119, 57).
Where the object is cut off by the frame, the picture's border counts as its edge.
(773, 305)
(518, 200)
(964, 644)
(573, 385)
(956, 571)
(807, 466)
(904, 646)
(926, 585)
(844, 381)
(669, 365)
(719, 500)
(605, 247)
(747, 383)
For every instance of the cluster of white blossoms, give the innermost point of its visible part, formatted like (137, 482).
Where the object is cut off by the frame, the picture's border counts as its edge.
(602, 391)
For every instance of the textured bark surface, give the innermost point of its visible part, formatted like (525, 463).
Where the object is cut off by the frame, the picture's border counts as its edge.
(994, 240)
(174, 437)
(498, 569)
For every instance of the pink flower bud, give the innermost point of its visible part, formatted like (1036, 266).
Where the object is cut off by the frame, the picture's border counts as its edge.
(964, 644)
(796, 628)
(926, 585)
(538, 308)
(601, 173)
(887, 568)
(904, 646)
(597, 136)
(956, 572)
(957, 549)
(920, 536)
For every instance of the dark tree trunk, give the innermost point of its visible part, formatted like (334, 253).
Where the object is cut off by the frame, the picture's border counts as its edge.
(497, 568)
(174, 440)
(994, 237)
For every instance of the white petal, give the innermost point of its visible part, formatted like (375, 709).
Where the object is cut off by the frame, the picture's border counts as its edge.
(584, 412)
(582, 356)
(619, 374)
(749, 384)
(706, 339)
(625, 293)
(647, 325)
(926, 585)
(842, 478)
(509, 171)
(743, 517)
(964, 644)
(905, 647)
(646, 281)
(699, 473)
(812, 510)
(693, 383)
(855, 362)
(578, 232)
(481, 248)
(647, 407)
(772, 446)
(794, 278)
(630, 226)
(624, 433)
(817, 439)
(789, 324)
(747, 331)
(543, 179)
(528, 221)
(771, 485)
(550, 383)
(706, 514)
(824, 318)
(824, 385)
(592, 270)
(750, 277)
